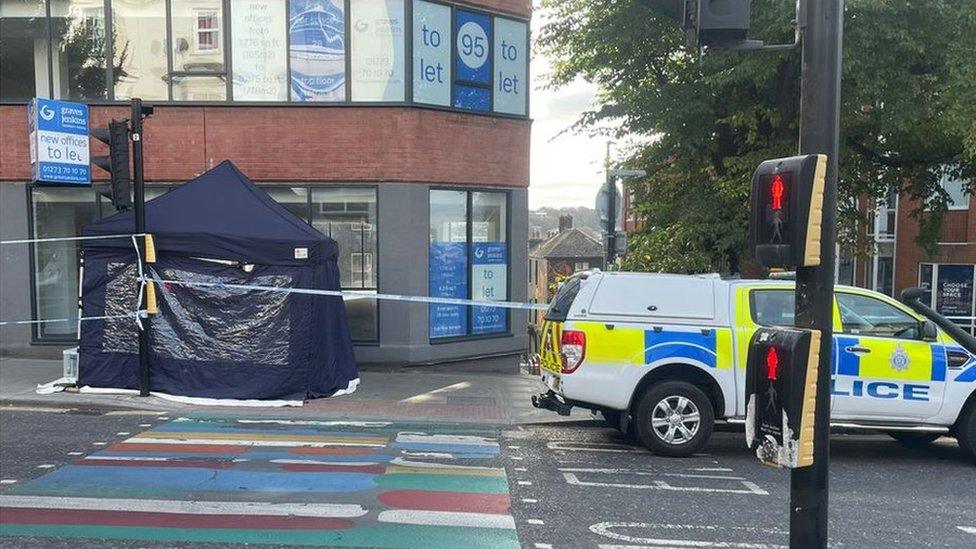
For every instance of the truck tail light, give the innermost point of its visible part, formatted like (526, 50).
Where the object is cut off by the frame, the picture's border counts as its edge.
(573, 349)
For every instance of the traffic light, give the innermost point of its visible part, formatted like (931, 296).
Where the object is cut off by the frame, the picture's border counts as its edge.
(786, 211)
(781, 393)
(707, 22)
(116, 136)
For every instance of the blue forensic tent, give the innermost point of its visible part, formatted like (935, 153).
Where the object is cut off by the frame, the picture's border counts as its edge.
(214, 341)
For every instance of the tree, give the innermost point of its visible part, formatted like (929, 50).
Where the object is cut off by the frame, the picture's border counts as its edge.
(908, 114)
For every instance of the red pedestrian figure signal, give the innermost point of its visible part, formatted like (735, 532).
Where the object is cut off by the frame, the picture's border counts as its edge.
(776, 190)
(772, 363)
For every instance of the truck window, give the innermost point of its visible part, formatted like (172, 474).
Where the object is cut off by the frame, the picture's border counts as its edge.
(864, 315)
(773, 307)
(563, 300)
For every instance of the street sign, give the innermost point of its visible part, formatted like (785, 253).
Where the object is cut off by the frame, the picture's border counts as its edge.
(603, 206)
(781, 387)
(59, 152)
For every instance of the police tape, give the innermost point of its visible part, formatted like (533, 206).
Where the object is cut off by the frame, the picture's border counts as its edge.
(134, 314)
(362, 295)
(69, 238)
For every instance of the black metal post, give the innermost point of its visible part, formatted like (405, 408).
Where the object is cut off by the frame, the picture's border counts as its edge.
(611, 218)
(139, 190)
(821, 32)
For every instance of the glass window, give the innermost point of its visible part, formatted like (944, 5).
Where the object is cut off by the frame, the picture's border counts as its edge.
(773, 307)
(258, 48)
(317, 48)
(23, 49)
(377, 50)
(80, 49)
(581, 266)
(863, 315)
(294, 199)
(957, 191)
(139, 49)
(845, 267)
(59, 212)
(198, 53)
(348, 215)
(489, 261)
(448, 262)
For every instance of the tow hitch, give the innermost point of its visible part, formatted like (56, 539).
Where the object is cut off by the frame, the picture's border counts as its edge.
(549, 401)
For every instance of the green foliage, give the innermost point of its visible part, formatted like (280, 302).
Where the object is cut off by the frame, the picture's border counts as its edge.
(908, 114)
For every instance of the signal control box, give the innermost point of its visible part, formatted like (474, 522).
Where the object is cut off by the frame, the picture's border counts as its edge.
(781, 393)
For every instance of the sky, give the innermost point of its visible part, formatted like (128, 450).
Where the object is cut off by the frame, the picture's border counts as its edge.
(566, 167)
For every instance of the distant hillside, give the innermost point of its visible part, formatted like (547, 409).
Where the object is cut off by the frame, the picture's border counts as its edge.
(548, 218)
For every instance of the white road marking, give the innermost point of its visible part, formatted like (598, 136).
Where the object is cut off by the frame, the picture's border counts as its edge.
(186, 507)
(445, 518)
(968, 529)
(8, 481)
(569, 474)
(166, 418)
(521, 469)
(76, 453)
(535, 521)
(543, 546)
(605, 529)
(287, 443)
(529, 500)
(46, 466)
(317, 423)
(123, 433)
(595, 447)
(145, 425)
(430, 395)
(98, 443)
(425, 465)
(441, 455)
(514, 447)
(524, 483)
(424, 438)
(517, 458)
(717, 469)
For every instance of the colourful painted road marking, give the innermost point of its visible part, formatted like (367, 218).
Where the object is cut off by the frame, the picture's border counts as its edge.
(229, 480)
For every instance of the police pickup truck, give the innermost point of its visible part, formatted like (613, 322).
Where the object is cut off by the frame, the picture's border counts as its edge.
(665, 355)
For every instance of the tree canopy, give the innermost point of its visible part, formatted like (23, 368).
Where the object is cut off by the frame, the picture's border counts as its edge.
(908, 114)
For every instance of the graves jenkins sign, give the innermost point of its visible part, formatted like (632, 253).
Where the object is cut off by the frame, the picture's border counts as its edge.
(59, 142)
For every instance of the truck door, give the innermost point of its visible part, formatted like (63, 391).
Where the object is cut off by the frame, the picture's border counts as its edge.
(882, 369)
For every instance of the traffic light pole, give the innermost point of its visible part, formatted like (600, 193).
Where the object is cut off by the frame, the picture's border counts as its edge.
(139, 190)
(821, 31)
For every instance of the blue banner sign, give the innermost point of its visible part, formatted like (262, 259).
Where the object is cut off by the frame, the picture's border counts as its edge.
(448, 277)
(317, 48)
(489, 282)
(59, 151)
(472, 62)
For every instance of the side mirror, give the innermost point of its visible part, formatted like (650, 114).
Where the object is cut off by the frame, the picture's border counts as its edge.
(929, 331)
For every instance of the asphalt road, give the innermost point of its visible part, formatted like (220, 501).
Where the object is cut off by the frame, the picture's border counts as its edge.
(570, 485)
(582, 485)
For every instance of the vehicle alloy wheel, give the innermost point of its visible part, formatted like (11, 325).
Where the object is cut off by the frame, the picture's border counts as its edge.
(674, 418)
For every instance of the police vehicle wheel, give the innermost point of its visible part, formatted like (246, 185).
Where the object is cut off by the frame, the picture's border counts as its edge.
(965, 431)
(914, 440)
(674, 419)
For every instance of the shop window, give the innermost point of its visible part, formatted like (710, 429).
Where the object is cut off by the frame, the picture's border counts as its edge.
(958, 192)
(198, 71)
(317, 50)
(258, 48)
(348, 215)
(294, 199)
(80, 49)
(951, 291)
(139, 56)
(23, 50)
(58, 212)
(377, 50)
(468, 259)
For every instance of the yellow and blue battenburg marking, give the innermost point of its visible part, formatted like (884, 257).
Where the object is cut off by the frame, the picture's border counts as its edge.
(968, 373)
(609, 344)
(910, 361)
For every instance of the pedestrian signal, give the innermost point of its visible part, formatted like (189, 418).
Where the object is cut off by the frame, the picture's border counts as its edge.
(781, 389)
(787, 211)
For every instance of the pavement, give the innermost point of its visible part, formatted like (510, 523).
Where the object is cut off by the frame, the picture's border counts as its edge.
(415, 393)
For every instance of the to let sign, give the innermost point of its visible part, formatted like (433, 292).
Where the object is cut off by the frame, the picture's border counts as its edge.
(59, 142)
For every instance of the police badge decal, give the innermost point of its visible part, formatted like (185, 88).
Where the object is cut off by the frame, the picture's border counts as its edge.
(899, 359)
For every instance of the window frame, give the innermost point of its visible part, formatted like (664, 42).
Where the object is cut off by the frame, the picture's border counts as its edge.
(967, 323)
(225, 18)
(469, 311)
(213, 31)
(894, 305)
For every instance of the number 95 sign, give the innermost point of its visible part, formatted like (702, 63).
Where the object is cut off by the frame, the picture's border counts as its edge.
(473, 47)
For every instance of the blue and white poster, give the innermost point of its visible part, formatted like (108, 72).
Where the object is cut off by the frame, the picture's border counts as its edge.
(954, 291)
(489, 282)
(511, 65)
(431, 53)
(59, 152)
(472, 63)
(317, 49)
(447, 277)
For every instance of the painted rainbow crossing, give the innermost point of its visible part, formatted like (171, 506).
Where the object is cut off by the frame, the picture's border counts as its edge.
(231, 480)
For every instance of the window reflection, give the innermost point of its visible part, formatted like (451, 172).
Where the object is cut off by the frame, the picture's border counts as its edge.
(139, 55)
(23, 49)
(198, 52)
(80, 49)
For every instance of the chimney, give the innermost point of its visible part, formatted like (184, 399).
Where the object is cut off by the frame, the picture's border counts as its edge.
(565, 222)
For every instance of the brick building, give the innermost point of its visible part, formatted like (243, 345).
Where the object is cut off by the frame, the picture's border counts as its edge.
(398, 127)
(569, 251)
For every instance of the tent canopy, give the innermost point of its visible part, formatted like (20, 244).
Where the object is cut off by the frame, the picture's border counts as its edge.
(208, 340)
(222, 211)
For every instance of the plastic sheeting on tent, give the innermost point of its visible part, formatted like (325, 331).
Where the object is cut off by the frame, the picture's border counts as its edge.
(218, 342)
